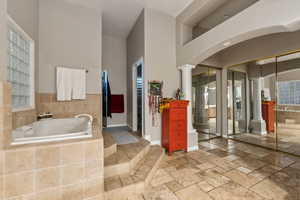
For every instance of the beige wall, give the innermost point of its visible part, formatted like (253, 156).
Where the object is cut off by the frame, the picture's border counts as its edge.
(69, 35)
(42, 19)
(114, 61)
(91, 105)
(135, 51)
(160, 60)
(153, 38)
(25, 13)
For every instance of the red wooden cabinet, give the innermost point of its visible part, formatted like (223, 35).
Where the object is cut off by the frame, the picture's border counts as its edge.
(174, 126)
(268, 112)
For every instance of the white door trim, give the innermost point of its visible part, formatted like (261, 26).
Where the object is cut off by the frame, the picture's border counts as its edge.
(134, 96)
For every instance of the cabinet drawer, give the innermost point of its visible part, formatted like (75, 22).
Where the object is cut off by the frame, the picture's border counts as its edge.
(178, 114)
(180, 145)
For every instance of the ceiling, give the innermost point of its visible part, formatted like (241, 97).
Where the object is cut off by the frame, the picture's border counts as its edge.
(119, 16)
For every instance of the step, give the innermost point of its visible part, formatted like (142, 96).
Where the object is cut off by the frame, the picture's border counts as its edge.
(289, 126)
(122, 186)
(110, 146)
(125, 158)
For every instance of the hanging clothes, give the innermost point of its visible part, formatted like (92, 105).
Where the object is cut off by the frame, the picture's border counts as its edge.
(106, 98)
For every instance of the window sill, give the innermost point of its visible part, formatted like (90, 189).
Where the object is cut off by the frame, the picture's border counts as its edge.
(23, 109)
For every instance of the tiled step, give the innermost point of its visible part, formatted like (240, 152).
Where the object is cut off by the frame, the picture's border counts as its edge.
(123, 186)
(125, 158)
(110, 146)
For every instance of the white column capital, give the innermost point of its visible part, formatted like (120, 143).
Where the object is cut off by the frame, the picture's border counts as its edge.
(186, 67)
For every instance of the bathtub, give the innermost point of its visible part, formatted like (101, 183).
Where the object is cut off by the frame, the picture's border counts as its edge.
(50, 130)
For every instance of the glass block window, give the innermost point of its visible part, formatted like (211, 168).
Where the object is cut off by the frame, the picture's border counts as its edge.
(289, 92)
(20, 69)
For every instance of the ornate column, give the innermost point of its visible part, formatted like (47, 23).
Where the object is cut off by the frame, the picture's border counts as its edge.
(186, 86)
(258, 125)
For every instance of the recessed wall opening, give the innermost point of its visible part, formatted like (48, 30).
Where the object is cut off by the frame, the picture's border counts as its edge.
(220, 14)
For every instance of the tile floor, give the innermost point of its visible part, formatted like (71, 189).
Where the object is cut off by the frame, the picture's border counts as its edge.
(226, 170)
(288, 138)
(121, 135)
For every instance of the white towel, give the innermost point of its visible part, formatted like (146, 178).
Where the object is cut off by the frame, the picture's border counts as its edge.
(63, 84)
(78, 84)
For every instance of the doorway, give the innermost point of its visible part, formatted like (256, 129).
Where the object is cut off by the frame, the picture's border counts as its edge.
(106, 95)
(138, 98)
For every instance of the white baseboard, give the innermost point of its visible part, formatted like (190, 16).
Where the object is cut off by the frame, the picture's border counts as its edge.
(147, 137)
(130, 127)
(116, 125)
(156, 142)
(193, 148)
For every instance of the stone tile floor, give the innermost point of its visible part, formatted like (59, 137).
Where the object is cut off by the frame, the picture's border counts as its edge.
(288, 141)
(226, 170)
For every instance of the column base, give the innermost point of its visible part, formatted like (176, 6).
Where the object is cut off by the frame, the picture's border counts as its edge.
(258, 127)
(242, 125)
(192, 140)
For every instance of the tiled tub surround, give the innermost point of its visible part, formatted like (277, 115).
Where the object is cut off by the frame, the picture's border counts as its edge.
(53, 130)
(54, 171)
(22, 118)
(5, 114)
(65, 109)
(61, 171)
(288, 113)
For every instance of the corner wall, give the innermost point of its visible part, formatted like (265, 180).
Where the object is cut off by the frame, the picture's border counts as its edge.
(114, 61)
(3, 40)
(160, 62)
(69, 35)
(153, 38)
(135, 52)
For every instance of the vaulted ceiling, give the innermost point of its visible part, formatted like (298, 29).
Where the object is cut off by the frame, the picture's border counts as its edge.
(119, 16)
